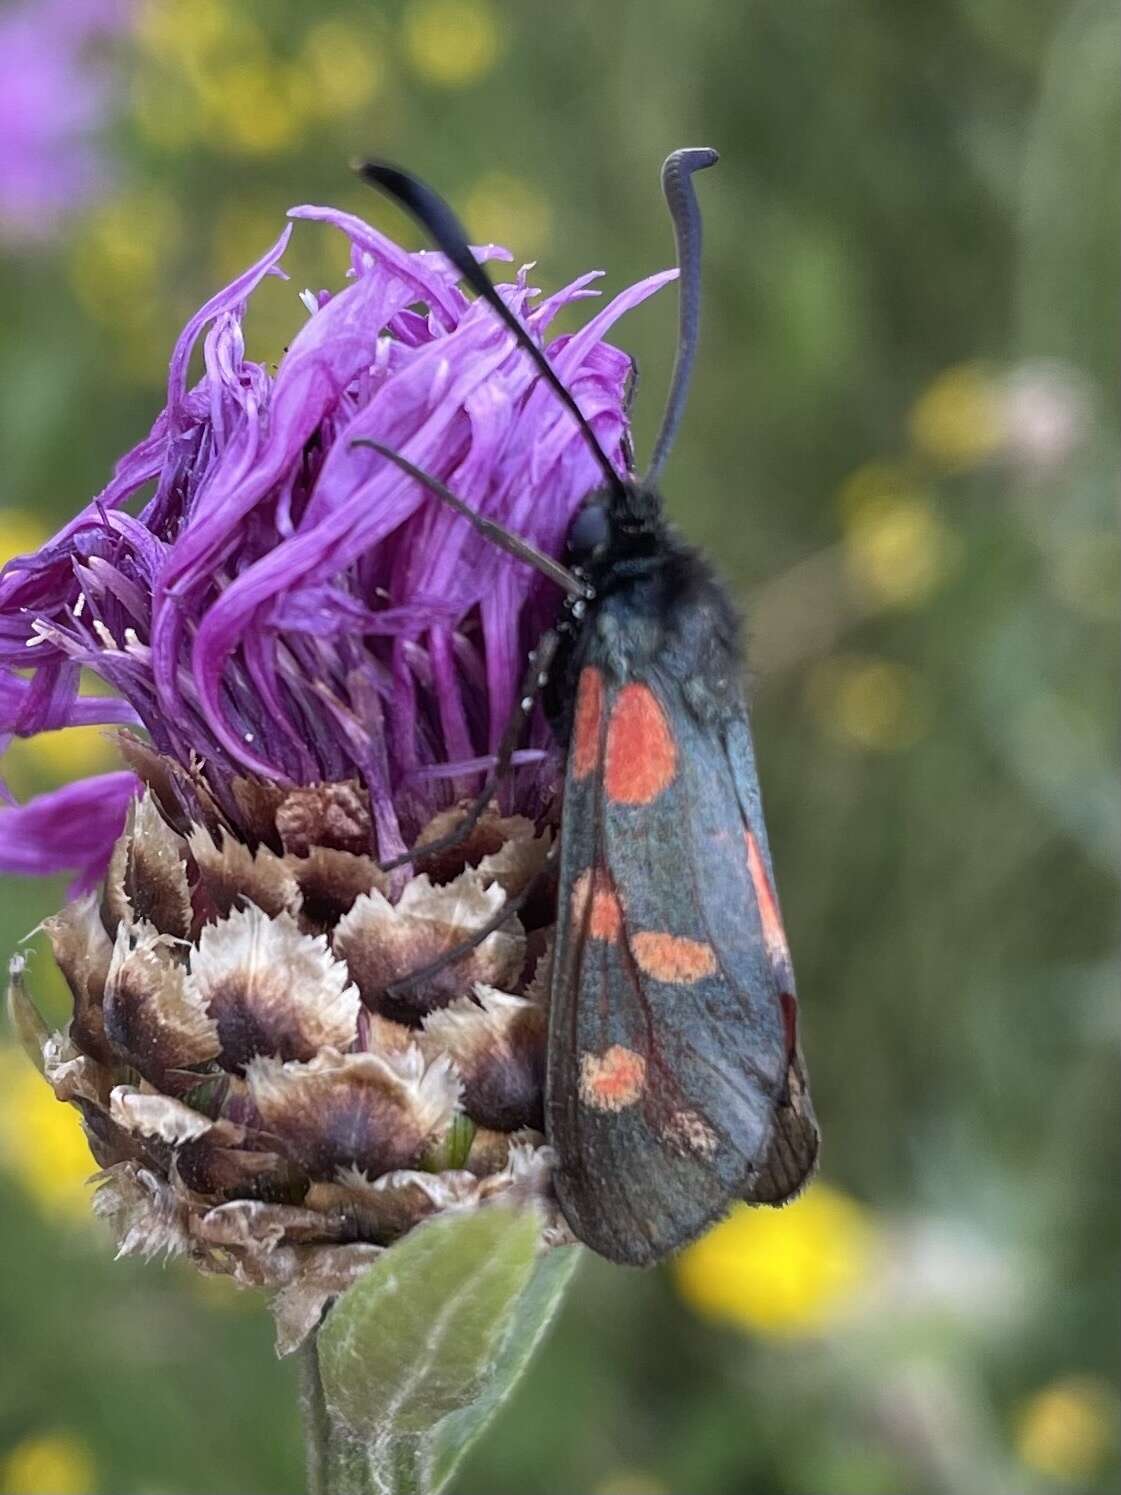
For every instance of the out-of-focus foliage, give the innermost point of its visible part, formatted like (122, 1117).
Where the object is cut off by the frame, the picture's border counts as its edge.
(900, 447)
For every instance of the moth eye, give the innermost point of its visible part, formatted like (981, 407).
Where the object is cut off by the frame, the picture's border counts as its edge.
(590, 531)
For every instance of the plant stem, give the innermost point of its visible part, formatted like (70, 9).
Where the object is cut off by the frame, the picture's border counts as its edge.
(314, 1410)
(338, 1463)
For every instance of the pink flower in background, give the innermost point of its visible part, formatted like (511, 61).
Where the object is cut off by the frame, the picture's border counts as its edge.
(55, 96)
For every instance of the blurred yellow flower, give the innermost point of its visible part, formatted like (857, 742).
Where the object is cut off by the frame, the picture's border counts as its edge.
(959, 421)
(256, 105)
(898, 552)
(48, 1464)
(41, 1141)
(115, 265)
(32, 765)
(452, 43)
(130, 235)
(345, 71)
(20, 532)
(72, 752)
(781, 1273)
(1066, 1430)
(868, 702)
(502, 209)
(187, 36)
(214, 78)
(874, 484)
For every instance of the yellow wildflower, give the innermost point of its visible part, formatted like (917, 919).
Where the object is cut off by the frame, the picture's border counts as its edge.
(188, 80)
(346, 72)
(118, 258)
(257, 106)
(959, 421)
(503, 209)
(868, 702)
(73, 752)
(31, 765)
(20, 532)
(874, 484)
(1066, 1430)
(451, 43)
(899, 554)
(188, 37)
(780, 1273)
(41, 1141)
(48, 1464)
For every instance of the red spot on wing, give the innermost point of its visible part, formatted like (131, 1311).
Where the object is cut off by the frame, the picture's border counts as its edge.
(672, 958)
(641, 757)
(584, 751)
(774, 935)
(612, 1080)
(607, 918)
(604, 919)
(774, 938)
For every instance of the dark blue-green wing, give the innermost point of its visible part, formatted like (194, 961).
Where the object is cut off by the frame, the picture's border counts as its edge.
(669, 1037)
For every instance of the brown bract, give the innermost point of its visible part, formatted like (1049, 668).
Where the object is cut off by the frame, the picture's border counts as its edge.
(255, 1097)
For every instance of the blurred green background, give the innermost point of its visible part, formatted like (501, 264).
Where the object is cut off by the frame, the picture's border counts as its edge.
(901, 448)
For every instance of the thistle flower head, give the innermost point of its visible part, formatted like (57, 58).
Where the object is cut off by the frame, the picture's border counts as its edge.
(323, 658)
(286, 604)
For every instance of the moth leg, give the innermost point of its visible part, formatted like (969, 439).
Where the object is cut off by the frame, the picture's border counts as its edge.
(397, 989)
(537, 672)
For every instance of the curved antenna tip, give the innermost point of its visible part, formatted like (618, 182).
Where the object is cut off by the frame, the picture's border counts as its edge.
(677, 185)
(690, 158)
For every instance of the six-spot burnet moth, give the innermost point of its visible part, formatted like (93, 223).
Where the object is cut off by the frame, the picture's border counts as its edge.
(675, 1081)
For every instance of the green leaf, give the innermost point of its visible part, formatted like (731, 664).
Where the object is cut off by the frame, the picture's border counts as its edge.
(417, 1356)
(414, 1338)
(533, 1313)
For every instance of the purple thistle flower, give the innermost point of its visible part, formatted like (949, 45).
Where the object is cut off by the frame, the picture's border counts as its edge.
(54, 98)
(288, 606)
(324, 657)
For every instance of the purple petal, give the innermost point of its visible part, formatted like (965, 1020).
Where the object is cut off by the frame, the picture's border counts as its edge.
(234, 295)
(72, 829)
(288, 601)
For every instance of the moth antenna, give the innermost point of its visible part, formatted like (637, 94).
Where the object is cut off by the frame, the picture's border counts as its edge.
(677, 185)
(497, 534)
(447, 233)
